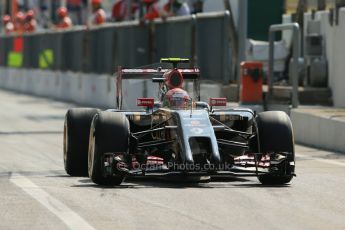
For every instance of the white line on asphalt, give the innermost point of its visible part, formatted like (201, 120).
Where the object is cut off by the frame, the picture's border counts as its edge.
(69, 217)
(327, 161)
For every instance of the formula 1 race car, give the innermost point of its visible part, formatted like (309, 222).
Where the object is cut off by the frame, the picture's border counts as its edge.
(174, 133)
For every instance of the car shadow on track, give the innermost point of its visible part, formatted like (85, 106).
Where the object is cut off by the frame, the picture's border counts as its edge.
(175, 183)
(59, 175)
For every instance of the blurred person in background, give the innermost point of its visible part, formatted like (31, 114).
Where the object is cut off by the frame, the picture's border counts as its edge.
(30, 24)
(196, 6)
(19, 22)
(8, 26)
(177, 8)
(75, 10)
(64, 21)
(152, 9)
(98, 16)
(43, 17)
(120, 10)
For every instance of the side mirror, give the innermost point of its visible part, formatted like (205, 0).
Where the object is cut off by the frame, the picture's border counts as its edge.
(221, 101)
(146, 102)
(202, 105)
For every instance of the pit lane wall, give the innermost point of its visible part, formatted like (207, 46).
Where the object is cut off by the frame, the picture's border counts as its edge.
(95, 90)
(320, 127)
(68, 86)
(203, 38)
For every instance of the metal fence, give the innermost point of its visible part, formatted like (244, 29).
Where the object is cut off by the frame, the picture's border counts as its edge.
(203, 38)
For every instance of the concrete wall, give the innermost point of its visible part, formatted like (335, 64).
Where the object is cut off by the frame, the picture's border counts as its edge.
(86, 89)
(72, 87)
(320, 128)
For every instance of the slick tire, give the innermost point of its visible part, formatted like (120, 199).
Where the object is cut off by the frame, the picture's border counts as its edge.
(109, 133)
(76, 140)
(275, 134)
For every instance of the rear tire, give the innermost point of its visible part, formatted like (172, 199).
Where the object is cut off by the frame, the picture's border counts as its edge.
(76, 140)
(275, 135)
(109, 133)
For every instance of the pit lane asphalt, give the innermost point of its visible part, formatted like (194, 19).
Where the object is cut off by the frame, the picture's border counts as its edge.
(36, 193)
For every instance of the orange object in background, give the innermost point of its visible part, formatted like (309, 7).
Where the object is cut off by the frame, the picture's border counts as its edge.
(14, 8)
(251, 82)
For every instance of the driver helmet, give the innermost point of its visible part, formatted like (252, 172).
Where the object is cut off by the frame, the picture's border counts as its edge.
(176, 98)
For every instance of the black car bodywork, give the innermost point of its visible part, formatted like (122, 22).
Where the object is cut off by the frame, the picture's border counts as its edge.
(201, 140)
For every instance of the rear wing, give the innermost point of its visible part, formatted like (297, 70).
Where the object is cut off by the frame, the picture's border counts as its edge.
(156, 75)
(189, 74)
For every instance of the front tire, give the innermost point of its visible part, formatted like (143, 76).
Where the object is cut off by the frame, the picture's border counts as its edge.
(109, 133)
(275, 135)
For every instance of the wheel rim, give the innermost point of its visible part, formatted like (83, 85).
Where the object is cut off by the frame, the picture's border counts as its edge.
(91, 155)
(65, 143)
